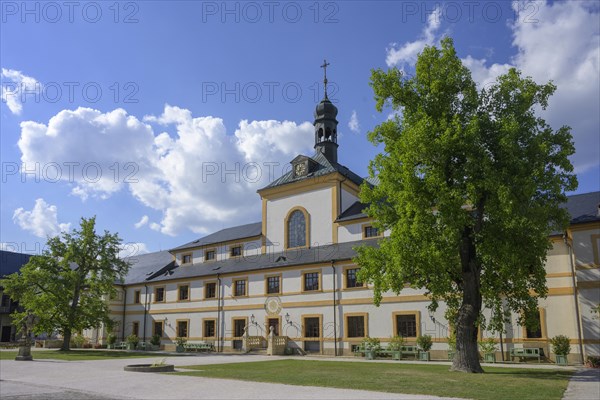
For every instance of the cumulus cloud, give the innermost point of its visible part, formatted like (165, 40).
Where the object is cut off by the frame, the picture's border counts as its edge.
(353, 124)
(561, 46)
(142, 222)
(42, 220)
(408, 52)
(197, 175)
(15, 85)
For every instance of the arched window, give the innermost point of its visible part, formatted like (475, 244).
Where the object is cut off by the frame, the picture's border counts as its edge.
(296, 229)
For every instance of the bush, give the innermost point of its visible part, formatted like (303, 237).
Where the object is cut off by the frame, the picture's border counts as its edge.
(424, 342)
(155, 341)
(111, 338)
(133, 339)
(396, 343)
(180, 341)
(593, 362)
(561, 345)
(371, 343)
(78, 341)
(488, 346)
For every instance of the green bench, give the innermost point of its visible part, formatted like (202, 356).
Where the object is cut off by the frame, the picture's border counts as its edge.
(198, 347)
(414, 350)
(526, 353)
(120, 345)
(395, 354)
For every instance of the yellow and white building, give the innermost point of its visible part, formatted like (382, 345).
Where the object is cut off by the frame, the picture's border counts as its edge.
(293, 271)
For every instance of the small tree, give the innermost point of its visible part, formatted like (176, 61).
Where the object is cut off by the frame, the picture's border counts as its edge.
(68, 287)
(561, 345)
(424, 342)
(470, 186)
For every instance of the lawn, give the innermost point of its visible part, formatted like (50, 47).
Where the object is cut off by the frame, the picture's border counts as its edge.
(78, 355)
(496, 383)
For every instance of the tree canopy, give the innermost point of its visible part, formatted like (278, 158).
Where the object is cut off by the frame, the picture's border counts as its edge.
(68, 287)
(471, 183)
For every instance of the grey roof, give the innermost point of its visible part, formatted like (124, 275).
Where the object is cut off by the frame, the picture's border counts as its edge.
(321, 254)
(584, 207)
(355, 211)
(145, 267)
(11, 262)
(224, 235)
(323, 167)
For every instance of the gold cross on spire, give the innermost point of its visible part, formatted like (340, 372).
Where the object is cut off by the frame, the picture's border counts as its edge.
(324, 66)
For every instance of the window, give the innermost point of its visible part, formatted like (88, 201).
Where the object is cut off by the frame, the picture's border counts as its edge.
(136, 296)
(406, 325)
(311, 281)
(209, 328)
(356, 326)
(239, 288)
(186, 258)
(235, 251)
(536, 331)
(351, 280)
(273, 284)
(184, 292)
(135, 328)
(311, 327)
(182, 328)
(296, 230)
(371, 231)
(159, 294)
(5, 301)
(209, 255)
(210, 290)
(158, 328)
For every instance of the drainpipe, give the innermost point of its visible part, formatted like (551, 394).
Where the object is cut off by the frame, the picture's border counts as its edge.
(334, 310)
(124, 306)
(575, 297)
(218, 312)
(145, 308)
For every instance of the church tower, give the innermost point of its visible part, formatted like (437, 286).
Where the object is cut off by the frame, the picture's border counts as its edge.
(326, 124)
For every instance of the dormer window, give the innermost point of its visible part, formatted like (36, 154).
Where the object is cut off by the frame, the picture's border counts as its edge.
(186, 259)
(235, 251)
(209, 255)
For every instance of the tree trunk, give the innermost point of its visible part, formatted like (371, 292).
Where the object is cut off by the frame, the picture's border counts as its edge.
(66, 346)
(466, 358)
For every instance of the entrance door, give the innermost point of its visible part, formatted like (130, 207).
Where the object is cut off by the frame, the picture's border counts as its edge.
(312, 329)
(238, 333)
(5, 337)
(273, 322)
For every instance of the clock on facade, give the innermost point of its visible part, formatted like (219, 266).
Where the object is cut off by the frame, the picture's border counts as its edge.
(300, 169)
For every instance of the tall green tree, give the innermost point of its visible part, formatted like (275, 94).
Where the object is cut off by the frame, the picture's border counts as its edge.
(471, 184)
(68, 287)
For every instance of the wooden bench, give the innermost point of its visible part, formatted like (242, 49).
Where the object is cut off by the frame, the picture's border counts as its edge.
(121, 345)
(359, 351)
(414, 350)
(526, 353)
(145, 346)
(395, 354)
(198, 347)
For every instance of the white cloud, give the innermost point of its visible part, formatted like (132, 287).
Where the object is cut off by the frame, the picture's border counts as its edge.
(200, 177)
(353, 124)
(561, 46)
(14, 85)
(408, 52)
(42, 220)
(133, 249)
(142, 222)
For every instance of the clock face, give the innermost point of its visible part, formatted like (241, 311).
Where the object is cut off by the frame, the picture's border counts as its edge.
(300, 169)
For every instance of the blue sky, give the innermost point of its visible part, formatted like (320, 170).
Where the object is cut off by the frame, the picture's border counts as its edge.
(164, 118)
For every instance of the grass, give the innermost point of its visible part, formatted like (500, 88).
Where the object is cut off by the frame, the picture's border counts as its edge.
(437, 380)
(78, 355)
